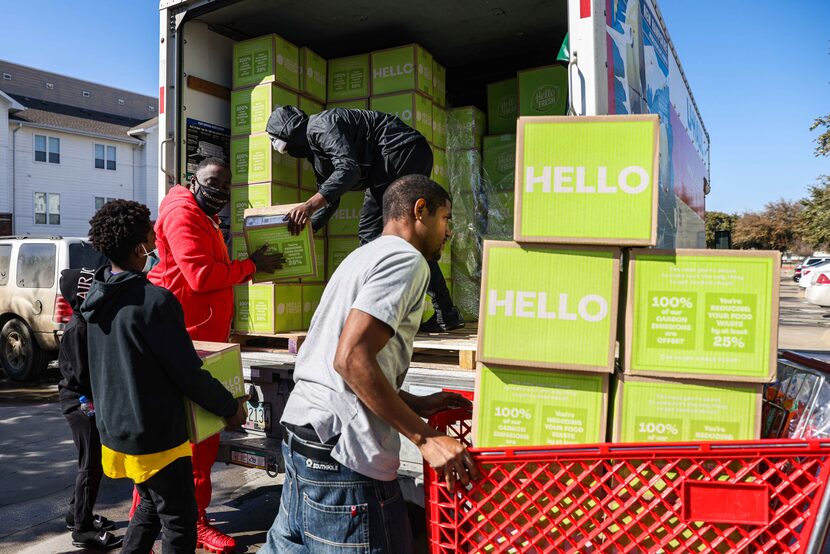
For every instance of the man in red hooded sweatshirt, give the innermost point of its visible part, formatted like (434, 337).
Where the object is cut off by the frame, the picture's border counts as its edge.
(194, 265)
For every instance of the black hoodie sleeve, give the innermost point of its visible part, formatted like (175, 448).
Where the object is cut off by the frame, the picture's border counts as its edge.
(72, 357)
(174, 349)
(329, 137)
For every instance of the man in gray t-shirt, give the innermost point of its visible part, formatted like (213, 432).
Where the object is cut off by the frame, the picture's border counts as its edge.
(346, 411)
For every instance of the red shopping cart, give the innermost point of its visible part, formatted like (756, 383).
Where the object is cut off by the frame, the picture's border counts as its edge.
(747, 496)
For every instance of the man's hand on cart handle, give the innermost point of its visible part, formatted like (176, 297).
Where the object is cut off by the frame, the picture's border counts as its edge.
(450, 459)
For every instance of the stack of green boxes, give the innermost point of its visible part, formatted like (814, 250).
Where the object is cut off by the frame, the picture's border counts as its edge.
(407, 82)
(700, 340)
(699, 333)
(349, 86)
(499, 157)
(465, 128)
(269, 71)
(541, 91)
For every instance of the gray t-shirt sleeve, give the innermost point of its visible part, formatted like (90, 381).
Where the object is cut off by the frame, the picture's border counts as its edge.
(394, 288)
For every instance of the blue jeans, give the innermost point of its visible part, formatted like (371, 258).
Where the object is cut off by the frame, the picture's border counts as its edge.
(327, 510)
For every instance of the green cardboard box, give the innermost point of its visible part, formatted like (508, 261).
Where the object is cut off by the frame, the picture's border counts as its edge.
(253, 160)
(465, 127)
(405, 68)
(532, 407)
(359, 104)
(543, 91)
(650, 410)
(266, 59)
(440, 172)
(588, 180)
(499, 161)
(348, 78)
(439, 126)
(345, 221)
(336, 251)
(502, 106)
(224, 362)
(239, 248)
(308, 179)
(259, 195)
(320, 253)
(312, 75)
(705, 314)
(267, 308)
(550, 307)
(251, 107)
(412, 108)
(268, 227)
(439, 84)
(311, 299)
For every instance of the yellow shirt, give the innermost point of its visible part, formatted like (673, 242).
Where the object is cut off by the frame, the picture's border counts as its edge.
(140, 467)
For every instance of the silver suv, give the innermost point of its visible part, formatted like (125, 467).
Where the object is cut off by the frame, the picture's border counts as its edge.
(32, 310)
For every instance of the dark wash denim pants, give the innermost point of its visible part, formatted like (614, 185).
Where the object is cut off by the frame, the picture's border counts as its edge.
(336, 510)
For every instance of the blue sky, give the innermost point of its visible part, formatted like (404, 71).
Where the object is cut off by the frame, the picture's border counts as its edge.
(760, 74)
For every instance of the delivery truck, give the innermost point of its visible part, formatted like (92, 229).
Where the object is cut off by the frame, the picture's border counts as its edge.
(618, 56)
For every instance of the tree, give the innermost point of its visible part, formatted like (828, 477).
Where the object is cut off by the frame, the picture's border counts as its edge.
(815, 223)
(777, 227)
(718, 221)
(823, 140)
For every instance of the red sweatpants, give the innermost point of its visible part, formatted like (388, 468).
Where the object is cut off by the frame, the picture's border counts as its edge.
(204, 454)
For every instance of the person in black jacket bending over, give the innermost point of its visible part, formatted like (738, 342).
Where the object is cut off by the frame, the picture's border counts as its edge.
(88, 530)
(142, 363)
(358, 150)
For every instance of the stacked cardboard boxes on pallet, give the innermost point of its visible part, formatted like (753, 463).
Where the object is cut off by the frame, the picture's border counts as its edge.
(697, 329)
(269, 72)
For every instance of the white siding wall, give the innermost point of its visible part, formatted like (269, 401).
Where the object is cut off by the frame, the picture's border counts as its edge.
(76, 180)
(5, 158)
(146, 171)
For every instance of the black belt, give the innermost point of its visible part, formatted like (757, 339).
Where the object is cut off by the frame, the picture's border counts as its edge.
(318, 451)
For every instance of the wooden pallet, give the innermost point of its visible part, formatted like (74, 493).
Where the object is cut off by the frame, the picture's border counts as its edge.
(277, 342)
(455, 348)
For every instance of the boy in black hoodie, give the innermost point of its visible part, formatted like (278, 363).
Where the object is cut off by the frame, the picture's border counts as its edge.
(88, 530)
(142, 363)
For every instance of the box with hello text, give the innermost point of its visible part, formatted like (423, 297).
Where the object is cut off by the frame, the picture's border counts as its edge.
(224, 362)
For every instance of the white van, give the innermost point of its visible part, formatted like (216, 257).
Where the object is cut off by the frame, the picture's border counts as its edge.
(32, 310)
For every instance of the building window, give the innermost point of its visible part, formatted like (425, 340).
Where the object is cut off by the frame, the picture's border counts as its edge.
(47, 149)
(86, 94)
(47, 208)
(7, 76)
(105, 157)
(100, 201)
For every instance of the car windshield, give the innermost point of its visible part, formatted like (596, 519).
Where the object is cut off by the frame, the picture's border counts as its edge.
(81, 254)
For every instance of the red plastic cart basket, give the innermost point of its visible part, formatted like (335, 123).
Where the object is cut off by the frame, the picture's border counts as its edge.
(747, 496)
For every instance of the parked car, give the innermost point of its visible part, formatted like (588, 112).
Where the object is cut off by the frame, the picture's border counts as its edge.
(810, 261)
(818, 291)
(32, 311)
(807, 272)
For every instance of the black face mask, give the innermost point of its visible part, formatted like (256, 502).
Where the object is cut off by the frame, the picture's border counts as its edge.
(211, 199)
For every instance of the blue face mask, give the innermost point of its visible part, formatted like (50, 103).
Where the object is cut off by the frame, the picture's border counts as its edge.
(152, 259)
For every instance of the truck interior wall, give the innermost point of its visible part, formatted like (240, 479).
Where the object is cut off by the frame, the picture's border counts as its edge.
(477, 42)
